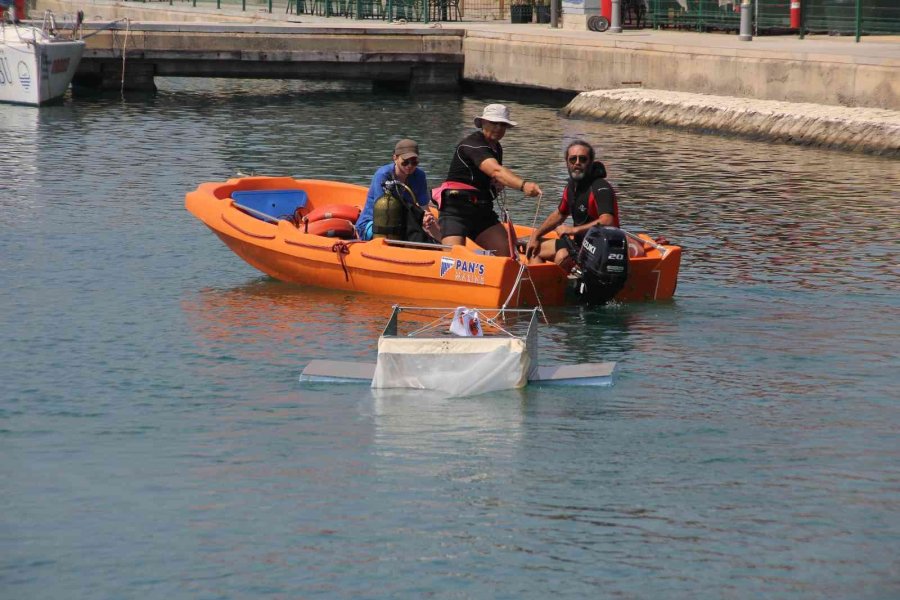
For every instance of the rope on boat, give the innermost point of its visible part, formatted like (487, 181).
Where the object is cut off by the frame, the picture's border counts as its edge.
(341, 248)
(441, 319)
(514, 255)
(537, 211)
(514, 287)
(109, 25)
(432, 325)
(124, 54)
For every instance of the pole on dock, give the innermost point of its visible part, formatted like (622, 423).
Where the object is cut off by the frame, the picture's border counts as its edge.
(745, 35)
(554, 13)
(615, 25)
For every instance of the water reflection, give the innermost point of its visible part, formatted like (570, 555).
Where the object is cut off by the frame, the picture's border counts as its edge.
(268, 316)
(18, 190)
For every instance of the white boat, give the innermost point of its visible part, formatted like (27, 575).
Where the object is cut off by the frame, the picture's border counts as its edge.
(36, 64)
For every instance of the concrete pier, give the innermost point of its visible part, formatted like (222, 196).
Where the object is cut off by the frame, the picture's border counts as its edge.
(418, 59)
(782, 69)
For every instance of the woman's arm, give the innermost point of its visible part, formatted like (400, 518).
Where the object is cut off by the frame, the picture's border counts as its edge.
(498, 172)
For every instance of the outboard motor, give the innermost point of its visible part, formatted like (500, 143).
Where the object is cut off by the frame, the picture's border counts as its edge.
(603, 262)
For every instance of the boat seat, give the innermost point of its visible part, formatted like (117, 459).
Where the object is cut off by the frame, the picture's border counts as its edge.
(281, 204)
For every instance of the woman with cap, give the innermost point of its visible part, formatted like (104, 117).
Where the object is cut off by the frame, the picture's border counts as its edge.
(404, 167)
(475, 177)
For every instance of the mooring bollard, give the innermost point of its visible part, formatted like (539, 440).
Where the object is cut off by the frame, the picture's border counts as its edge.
(745, 35)
(616, 22)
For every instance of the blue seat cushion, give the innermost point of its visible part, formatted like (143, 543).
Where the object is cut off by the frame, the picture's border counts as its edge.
(275, 203)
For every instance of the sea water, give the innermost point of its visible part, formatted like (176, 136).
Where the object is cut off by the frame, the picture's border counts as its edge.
(156, 442)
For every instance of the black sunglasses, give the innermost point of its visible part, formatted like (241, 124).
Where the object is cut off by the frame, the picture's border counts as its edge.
(578, 158)
(410, 161)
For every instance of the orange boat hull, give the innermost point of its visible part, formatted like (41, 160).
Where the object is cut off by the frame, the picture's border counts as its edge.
(457, 275)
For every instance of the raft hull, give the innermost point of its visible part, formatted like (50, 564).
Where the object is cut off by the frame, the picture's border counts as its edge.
(457, 275)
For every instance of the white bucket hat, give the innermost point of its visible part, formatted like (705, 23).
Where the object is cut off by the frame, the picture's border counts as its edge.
(495, 113)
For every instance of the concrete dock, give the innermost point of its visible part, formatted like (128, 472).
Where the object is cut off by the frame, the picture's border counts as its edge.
(417, 59)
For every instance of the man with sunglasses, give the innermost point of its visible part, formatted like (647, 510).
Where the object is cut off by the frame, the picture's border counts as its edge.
(588, 197)
(404, 167)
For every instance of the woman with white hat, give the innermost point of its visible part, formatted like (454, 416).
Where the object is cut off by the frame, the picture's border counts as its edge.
(475, 177)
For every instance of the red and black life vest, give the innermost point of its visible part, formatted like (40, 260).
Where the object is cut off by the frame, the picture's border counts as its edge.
(590, 197)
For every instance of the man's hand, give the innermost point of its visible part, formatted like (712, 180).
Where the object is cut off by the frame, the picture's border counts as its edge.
(532, 247)
(430, 225)
(531, 189)
(565, 230)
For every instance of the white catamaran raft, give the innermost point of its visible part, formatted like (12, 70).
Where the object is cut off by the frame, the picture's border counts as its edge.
(459, 352)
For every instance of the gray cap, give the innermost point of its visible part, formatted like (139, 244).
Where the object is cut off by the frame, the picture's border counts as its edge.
(406, 148)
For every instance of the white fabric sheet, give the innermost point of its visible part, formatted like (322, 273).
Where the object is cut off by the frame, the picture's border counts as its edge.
(457, 366)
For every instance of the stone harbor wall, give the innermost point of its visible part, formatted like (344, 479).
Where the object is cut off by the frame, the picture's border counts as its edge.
(870, 130)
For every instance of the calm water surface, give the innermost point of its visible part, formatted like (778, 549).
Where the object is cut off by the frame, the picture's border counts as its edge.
(156, 442)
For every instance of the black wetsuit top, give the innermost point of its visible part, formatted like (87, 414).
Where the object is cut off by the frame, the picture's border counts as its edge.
(473, 150)
(589, 198)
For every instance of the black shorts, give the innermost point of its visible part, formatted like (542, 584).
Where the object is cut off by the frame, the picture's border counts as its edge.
(466, 219)
(573, 246)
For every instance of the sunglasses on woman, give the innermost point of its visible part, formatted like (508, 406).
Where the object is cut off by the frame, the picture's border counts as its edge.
(578, 159)
(410, 161)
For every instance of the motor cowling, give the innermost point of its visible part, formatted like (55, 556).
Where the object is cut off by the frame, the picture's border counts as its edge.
(388, 217)
(603, 262)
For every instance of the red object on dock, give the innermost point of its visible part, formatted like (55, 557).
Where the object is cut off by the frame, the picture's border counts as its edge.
(21, 12)
(606, 9)
(795, 14)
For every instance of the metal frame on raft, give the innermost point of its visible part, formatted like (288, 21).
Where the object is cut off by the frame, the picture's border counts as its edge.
(391, 329)
(434, 332)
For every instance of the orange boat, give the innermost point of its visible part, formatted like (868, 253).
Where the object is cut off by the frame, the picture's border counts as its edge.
(292, 230)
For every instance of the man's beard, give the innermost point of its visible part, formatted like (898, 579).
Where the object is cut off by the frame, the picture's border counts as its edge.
(576, 175)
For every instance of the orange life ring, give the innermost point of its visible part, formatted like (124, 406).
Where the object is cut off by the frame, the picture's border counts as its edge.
(333, 211)
(334, 228)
